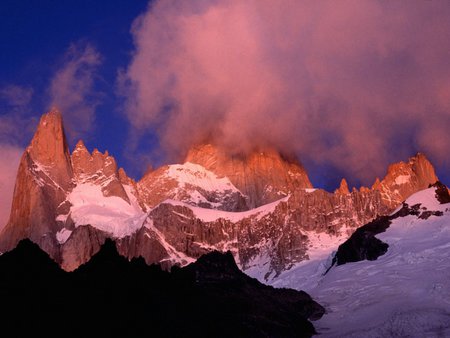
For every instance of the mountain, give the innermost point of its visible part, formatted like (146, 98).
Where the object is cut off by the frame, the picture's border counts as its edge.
(261, 207)
(390, 278)
(111, 296)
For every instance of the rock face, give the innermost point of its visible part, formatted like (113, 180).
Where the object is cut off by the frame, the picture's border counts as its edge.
(405, 178)
(100, 169)
(260, 207)
(263, 177)
(43, 181)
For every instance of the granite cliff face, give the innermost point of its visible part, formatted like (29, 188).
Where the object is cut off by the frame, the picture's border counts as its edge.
(261, 207)
(263, 176)
(43, 180)
(404, 179)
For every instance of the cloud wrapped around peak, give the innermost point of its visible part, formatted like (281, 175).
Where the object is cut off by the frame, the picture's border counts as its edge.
(354, 84)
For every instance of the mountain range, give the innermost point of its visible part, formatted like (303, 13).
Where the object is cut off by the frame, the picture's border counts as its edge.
(261, 207)
(98, 244)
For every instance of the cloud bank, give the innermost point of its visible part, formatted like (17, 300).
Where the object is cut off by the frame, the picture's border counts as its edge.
(72, 88)
(354, 84)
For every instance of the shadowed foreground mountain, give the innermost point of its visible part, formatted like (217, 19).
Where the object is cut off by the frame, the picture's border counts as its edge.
(111, 296)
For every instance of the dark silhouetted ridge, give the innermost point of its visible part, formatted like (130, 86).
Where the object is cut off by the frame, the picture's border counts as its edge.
(111, 296)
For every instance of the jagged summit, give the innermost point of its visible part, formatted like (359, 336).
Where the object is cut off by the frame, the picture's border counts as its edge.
(405, 178)
(343, 188)
(99, 169)
(49, 150)
(47, 178)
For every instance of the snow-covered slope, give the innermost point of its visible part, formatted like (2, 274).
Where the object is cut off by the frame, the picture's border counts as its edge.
(193, 184)
(110, 214)
(405, 292)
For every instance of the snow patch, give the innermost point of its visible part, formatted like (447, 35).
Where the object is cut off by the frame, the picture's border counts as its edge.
(198, 176)
(63, 235)
(211, 215)
(427, 199)
(309, 190)
(402, 179)
(110, 214)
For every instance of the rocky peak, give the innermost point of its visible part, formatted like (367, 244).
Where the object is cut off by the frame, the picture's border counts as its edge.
(263, 176)
(43, 180)
(405, 178)
(97, 168)
(49, 151)
(343, 188)
(206, 155)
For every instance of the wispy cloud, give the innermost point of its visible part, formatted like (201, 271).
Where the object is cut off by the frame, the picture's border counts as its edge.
(354, 84)
(9, 162)
(72, 88)
(15, 128)
(17, 97)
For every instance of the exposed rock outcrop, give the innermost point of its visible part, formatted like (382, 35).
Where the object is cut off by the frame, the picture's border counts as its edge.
(43, 180)
(263, 177)
(405, 178)
(100, 169)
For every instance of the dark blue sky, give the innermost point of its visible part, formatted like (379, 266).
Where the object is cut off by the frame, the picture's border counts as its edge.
(35, 37)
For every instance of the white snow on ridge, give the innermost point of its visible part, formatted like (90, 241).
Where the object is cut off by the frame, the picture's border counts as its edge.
(427, 199)
(196, 175)
(405, 292)
(211, 215)
(309, 190)
(402, 179)
(63, 235)
(110, 214)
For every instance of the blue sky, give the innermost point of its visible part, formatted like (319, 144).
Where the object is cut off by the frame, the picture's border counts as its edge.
(348, 89)
(34, 38)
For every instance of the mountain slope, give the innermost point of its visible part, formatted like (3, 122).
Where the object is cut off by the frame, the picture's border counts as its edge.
(192, 184)
(404, 291)
(111, 296)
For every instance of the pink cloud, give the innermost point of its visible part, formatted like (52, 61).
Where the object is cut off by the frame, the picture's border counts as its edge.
(16, 96)
(9, 162)
(72, 88)
(337, 83)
